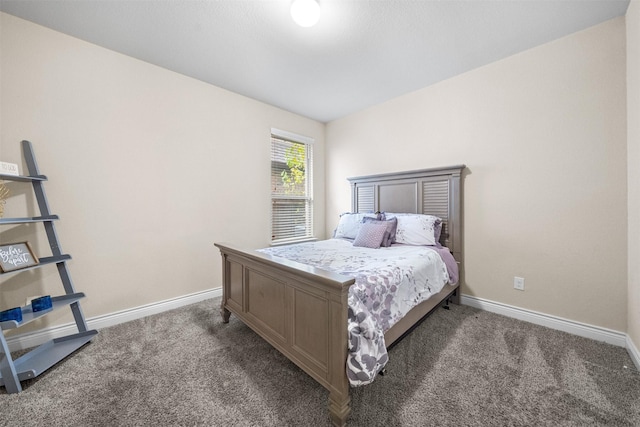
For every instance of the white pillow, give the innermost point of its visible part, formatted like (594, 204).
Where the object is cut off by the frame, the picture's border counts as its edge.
(349, 225)
(416, 229)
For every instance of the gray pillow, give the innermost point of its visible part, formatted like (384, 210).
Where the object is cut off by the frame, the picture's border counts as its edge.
(370, 235)
(437, 231)
(391, 224)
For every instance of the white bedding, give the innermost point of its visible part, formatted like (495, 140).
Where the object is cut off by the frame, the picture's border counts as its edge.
(389, 282)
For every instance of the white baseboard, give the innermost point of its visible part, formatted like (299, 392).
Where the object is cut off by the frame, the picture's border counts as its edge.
(33, 339)
(633, 352)
(619, 339)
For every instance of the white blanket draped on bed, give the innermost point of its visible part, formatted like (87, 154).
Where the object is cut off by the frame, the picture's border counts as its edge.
(389, 282)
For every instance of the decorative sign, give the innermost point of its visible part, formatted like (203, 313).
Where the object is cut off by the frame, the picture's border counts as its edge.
(15, 256)
(9, 169)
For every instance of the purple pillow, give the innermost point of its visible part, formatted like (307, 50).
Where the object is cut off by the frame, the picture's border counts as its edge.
(370, 235)
(391, 224)
(437, 231)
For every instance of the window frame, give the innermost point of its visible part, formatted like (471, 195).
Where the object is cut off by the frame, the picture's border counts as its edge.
(308, 197)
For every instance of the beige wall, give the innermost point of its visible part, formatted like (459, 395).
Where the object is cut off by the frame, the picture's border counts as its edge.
(147, 169)
(543, 134)
(633, 161)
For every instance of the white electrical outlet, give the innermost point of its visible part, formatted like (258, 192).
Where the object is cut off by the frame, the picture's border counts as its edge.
(518, 283)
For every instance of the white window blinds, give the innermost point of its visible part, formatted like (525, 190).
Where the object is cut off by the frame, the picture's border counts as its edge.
(291, 187)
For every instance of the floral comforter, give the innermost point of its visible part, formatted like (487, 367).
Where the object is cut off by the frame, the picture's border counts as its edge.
(389, 282)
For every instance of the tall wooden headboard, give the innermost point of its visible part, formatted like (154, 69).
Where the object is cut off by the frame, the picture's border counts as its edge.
(435, 191)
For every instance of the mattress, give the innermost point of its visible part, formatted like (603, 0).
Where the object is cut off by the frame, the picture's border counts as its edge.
(388, 283)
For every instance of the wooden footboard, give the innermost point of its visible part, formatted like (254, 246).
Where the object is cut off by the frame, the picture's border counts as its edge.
(300, 310)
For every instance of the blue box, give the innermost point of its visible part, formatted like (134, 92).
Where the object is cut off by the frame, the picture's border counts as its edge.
(41, 304)
(11, 314)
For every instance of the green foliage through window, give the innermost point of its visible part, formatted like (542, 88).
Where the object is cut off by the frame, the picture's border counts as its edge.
(293, 179)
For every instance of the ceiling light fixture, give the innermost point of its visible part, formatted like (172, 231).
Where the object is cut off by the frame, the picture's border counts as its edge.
(305, 13)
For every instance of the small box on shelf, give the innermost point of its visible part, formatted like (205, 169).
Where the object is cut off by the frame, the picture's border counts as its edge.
(9, 169)
(41, 304)
(11, 314)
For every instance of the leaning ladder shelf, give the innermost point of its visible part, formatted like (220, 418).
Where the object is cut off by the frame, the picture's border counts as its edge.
(38, 360)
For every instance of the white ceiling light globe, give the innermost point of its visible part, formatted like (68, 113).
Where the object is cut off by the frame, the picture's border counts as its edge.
(305, 13)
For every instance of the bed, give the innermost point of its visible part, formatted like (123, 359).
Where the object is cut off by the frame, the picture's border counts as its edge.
(303, 310)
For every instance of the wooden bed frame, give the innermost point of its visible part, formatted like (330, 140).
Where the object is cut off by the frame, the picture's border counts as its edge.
(302, 310)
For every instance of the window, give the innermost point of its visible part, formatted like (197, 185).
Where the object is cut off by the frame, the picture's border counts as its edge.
(291, 187)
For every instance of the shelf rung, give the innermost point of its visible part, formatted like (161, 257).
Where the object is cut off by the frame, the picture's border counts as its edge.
(22, 178)
(48, 354)
(43, 261)
(28, 220)
(28, 315)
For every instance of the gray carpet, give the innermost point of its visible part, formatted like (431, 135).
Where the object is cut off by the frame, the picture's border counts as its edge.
(461, 367)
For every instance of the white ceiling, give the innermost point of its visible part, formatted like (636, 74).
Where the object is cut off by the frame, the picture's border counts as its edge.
(362, 52)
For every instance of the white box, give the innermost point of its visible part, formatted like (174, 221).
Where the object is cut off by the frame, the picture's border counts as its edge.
(9, 169)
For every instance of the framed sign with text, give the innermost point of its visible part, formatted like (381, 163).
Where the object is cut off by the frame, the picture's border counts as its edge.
(15, 256)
